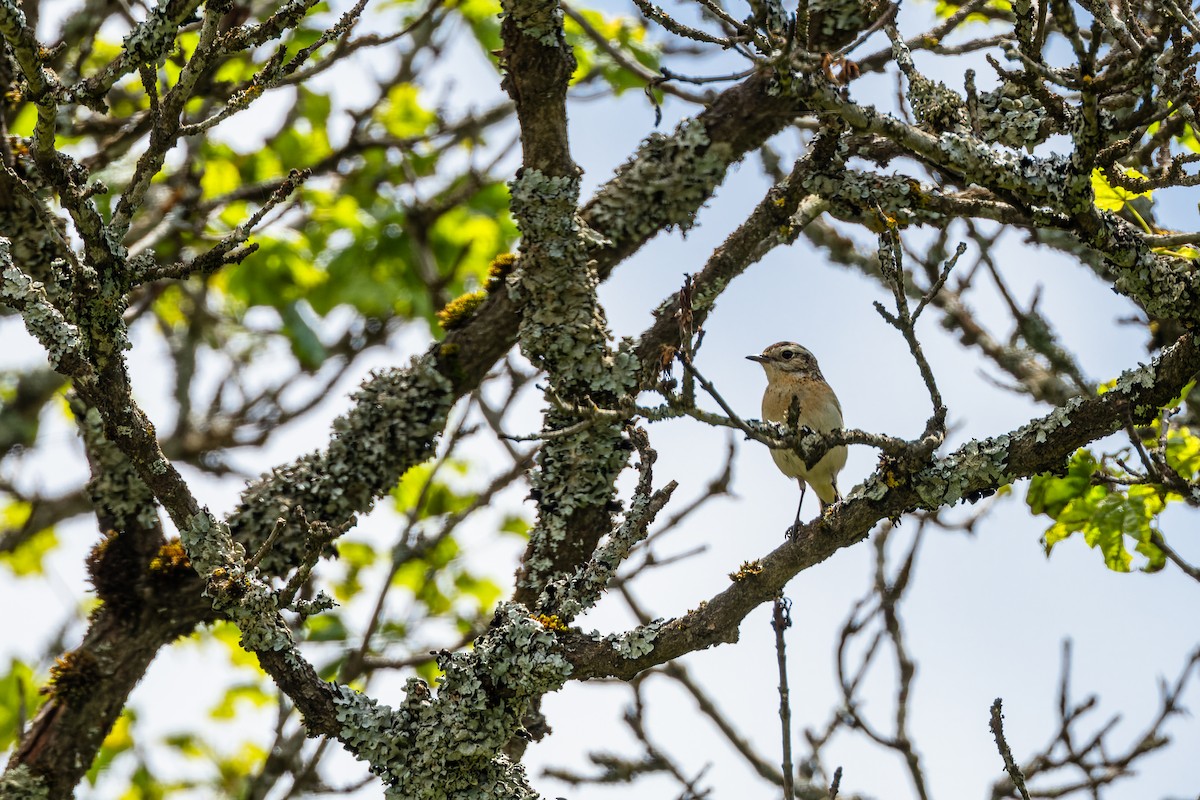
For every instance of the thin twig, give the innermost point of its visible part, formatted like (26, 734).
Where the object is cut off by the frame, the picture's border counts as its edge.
(781, 620)
(1010, 766)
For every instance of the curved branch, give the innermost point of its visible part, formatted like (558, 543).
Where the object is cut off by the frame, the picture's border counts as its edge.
(1040, 446)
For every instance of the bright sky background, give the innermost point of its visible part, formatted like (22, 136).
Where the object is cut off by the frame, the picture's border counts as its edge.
(987, 614)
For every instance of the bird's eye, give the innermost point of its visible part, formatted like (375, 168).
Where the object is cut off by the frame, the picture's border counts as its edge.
(786, 355)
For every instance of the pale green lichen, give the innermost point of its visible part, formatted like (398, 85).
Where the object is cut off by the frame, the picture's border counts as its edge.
(984, 462)
(1011, 116)
(936, 106)
(436, 747)
(563, 330)
(976, 463)
(393, 425)
(151, 39)
(573, 595)
(245, 599)
(662, 186)
(46, 323)
(637, 642)
(115, 486)
(19, 783)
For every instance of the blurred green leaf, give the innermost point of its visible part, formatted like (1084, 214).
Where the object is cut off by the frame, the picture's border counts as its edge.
(306, 344)
(27, 560)
(402, 114)
(251, 693)
(118, 741)
(516, 525)
(327, 627)
(484, 590)
(220, 176)
(946, 9)
(484, 18)
(439, 497)
(358, 554)
(625, 34)
(19, 699)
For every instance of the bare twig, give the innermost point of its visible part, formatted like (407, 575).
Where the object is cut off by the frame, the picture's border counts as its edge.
(781, 620)
(1010, 766)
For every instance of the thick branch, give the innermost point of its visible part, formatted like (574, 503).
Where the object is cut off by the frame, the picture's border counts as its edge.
(1040, 446)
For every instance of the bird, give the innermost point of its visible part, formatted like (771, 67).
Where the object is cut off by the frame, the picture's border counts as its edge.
(794, 377)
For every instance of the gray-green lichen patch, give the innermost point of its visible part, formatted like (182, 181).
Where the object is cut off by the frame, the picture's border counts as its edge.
(1043, 427)
(571, 596)
(564, 331)
(935, 105)
(540, 21)
(19, 783)
(978, 463)
(436, 747)
(151, 38)
(393, 425)
(47, 324)
(1011, 116)
(637, 642)
(115, 485)
(248, 601)
(1166, 286)
(851, 193)
(662, 186)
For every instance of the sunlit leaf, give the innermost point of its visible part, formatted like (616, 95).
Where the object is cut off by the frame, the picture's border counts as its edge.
(1114, 198)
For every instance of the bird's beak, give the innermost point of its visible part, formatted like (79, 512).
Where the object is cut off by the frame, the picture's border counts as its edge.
(760, 359)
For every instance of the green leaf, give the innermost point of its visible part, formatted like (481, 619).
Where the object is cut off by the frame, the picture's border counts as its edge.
(402, 114)
(1104, 516)
(946, 9)
(357, 554)
(219, 177)
(430, 672)
(623, 33)
(327, 627)
(1114, 198)
(1049, 494)
(484, 18)
(276, 276)
(516, 525)
(484, 590)
(439, 498)
(27, 560)
(251, 693)
(228, 635)
(19, 699)
(1189, 139)
(306, 345)
(1183, 452)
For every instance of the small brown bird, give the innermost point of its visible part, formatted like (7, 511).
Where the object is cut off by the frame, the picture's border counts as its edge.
(792, 372)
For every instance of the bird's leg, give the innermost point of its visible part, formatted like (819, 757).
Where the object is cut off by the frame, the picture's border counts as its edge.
(791, 532)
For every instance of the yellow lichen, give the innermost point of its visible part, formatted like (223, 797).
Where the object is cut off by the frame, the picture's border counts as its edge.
(171, 558)
(551, 622)
(460, 309)
(501, 266)
(74, 677)
(746, 570)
